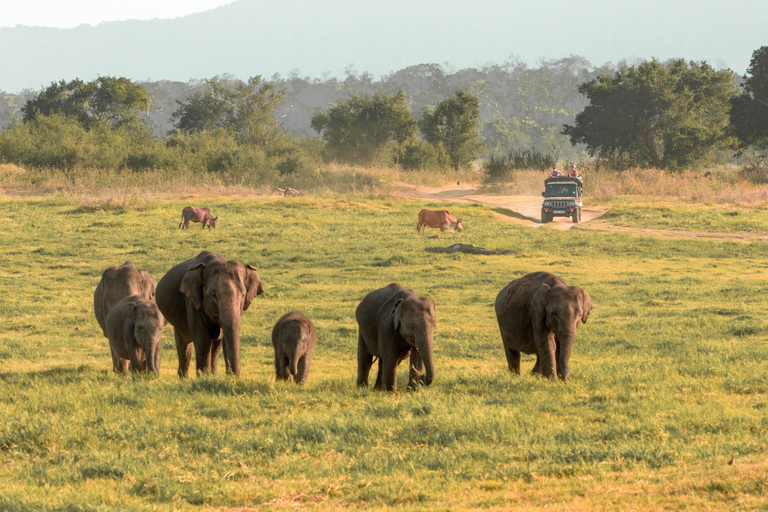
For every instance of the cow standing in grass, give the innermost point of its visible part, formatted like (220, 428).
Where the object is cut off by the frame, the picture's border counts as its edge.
(437, 219)
(190, 213)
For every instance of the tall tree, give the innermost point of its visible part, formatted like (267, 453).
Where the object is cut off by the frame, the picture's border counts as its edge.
(656, 116)
(453, 127)
(365, 129)
(247, 109)
(106, 100)
(749, 110)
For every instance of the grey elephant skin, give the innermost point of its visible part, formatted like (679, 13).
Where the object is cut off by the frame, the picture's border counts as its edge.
(203, 298)
(394, 322)
(116, 284)
(294, 338)
(135, 328)
(538, 314)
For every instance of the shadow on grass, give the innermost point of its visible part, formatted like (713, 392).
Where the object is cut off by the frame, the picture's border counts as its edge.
(509, 213)
(59, 373)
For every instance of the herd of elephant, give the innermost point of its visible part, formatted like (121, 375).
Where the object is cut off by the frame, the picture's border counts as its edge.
(204, 297)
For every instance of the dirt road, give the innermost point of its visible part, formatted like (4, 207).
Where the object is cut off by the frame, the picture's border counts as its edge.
(526, 210)
(521, 209)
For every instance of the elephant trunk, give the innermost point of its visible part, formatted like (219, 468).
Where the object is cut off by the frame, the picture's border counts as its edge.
(232, 346)
(566, 343)
(293, 360)
(424, 345)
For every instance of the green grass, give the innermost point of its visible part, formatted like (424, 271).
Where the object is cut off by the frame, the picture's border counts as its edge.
(751, 220)
(667, 385)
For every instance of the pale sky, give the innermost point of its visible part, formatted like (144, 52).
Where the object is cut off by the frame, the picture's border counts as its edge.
(71, 13)
(319, 37)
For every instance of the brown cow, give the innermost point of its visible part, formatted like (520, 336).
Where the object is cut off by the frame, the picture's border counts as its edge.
(437, 219)
(190, 213)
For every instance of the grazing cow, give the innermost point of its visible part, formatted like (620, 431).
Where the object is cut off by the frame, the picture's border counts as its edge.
(190, 213)
(437, 219)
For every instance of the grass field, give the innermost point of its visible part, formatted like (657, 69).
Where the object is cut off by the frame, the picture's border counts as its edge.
(668, 378)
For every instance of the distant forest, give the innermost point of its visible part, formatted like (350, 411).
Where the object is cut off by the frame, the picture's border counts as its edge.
(521, 107)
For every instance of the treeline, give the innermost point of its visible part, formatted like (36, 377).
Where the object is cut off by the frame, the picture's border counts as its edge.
(664, 115)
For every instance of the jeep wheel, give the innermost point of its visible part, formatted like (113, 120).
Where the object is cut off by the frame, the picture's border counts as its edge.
(576, 216)
(544, 217)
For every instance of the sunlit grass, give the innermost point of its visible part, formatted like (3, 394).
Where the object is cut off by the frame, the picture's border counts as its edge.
(667, 384)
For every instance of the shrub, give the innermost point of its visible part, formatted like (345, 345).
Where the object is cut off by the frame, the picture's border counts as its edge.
(496, 167)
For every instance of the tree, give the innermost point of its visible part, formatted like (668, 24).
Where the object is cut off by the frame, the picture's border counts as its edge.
(749, 110)
(107, 100)
(452, 128)
(245, 109)
(656, 116)
(364, 129)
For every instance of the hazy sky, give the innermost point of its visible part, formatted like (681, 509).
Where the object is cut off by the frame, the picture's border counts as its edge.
(394, 34)
(71, 13)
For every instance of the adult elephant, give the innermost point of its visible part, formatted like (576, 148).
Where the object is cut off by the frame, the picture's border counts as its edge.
(538, 314)
(394, 322)
(203, 299)
(116, 284)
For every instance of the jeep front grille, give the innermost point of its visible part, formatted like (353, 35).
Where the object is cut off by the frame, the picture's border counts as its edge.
(559, 204)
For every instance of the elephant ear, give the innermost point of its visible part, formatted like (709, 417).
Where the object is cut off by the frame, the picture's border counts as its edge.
(397, 314)
(192, 285)
(586, 306)
(148, 285)
(129, 339)
(539, 307)
(252, 285)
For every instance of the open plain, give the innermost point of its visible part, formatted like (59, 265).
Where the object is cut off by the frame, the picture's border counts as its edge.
(665, 407)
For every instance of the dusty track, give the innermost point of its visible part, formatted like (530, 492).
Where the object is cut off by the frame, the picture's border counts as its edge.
(526, 210)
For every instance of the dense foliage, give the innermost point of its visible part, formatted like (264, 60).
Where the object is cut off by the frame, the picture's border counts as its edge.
(452, 128)
(366, 129)
(749, 111)
(108, 101)
(654, 115)
(667, 115)
(247, 110)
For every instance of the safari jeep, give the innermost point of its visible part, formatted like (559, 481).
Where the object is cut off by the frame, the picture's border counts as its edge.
(562, 198)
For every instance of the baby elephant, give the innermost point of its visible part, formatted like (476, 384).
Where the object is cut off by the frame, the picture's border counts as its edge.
(294, 338)
(190, 213)
(134, 328)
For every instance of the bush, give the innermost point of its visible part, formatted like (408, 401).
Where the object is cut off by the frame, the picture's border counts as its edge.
(419, 155)
(496, 167)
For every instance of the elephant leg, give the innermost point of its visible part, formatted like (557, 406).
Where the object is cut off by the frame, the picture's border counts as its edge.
(416, 371)
(281, 367)
(547, 356)
(387, 378)
(388, 369)
(203, 355)
(513, 360)
(364, 361)
(122, 366)
(378, 377)
(215, 349)
(537, 366)
(184, 351)
(115, 360)
(302, 370)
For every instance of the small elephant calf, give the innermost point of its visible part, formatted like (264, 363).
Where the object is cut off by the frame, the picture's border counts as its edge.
(134, 328)
(294, 338)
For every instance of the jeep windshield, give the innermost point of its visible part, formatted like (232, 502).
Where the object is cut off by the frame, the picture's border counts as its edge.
(561, 190)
